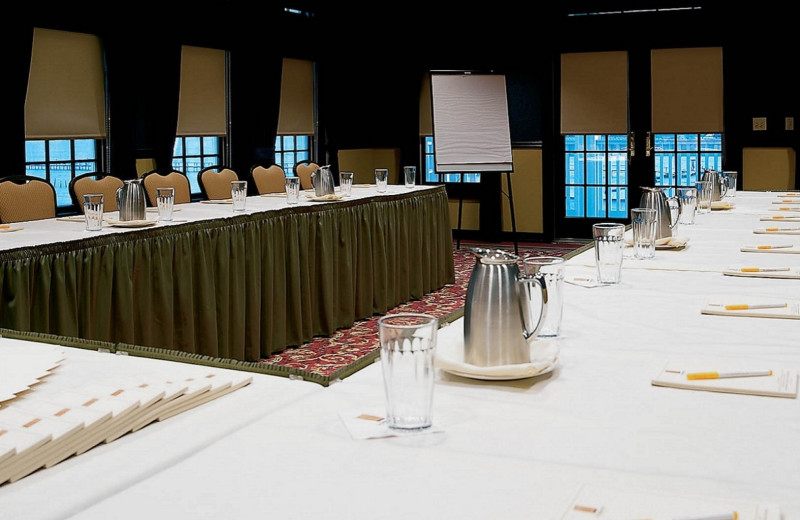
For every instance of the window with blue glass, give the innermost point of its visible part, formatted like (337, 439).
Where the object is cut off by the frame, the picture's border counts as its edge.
(291, 149)
(58, 161)
(596, 176)
(680, 158)
(438, 178)
(192, 154)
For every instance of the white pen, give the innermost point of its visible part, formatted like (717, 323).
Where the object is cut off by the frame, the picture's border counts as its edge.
(725, 375)
(763, 269)
(780, 246)
(733, 515)
(745, 306)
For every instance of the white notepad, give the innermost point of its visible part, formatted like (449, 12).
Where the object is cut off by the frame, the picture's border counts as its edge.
(791, 311)
(791, 273)
(600, 502)
(782, 382)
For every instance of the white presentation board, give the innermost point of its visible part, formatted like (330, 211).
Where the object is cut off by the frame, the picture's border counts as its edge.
(470, 122)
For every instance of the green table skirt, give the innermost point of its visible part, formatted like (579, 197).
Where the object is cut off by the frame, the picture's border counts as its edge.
(240, 288)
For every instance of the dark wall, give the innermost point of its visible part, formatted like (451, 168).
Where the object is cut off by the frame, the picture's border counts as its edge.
(371, 61)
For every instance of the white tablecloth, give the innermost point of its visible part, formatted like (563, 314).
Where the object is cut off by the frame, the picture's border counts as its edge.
(62, 229)
(508, 449)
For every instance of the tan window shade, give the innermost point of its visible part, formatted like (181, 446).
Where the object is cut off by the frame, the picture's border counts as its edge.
(66, 87)
(296, 115)
(201, 111)
(687, 90)
(594, 93)
(425, 114)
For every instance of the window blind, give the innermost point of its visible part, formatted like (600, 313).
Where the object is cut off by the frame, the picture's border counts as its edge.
(594, 93)
(66, 87)
(687, 90)
(202, 105)
(296, 116)
(470, 123)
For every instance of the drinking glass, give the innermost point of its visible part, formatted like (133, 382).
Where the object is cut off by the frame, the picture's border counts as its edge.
(730, 182)
(552, 267)
(410, 173)
(408, 345)
(687, 199)
(93, 211)
(381, 179)
(165, 198)
(608, 237)
(239, 194)
(292, 190)
(345, 183)
(704, 191)
(643, 223)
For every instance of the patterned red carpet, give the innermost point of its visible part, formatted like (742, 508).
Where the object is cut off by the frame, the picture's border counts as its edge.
(326, 359)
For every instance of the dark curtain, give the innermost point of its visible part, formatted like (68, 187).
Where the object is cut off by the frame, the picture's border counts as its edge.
(143, 89)
(18, 41)
(255, 91)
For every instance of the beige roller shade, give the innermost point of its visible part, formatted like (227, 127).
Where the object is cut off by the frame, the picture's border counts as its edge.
(687, 90)
(66, 87)
(594, 93)
(201, 111)
(425, 117)
(296, 116)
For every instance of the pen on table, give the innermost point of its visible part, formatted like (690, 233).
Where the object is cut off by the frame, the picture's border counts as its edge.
(733, 515)
(763, 269)
(774, 247)
(727, 375)
(782, 229)
(745, 306)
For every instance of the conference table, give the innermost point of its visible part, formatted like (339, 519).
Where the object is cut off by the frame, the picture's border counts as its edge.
(592, 438)
(228, 285)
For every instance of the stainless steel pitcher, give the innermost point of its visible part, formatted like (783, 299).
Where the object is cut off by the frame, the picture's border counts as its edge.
(667, 210)
(322, 181)
(719, 185)
(131, 200)
(503, 312)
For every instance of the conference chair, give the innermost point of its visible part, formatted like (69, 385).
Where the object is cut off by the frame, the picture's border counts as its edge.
(24, 197)
(174, 179)
(95, 182)
(268, 179)
(215, 182)
(304, 169)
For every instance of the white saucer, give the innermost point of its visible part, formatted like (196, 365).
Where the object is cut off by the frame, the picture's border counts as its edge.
(131, 223)
(450, 358)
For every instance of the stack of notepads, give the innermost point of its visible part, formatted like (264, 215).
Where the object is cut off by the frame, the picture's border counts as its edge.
(41, 429)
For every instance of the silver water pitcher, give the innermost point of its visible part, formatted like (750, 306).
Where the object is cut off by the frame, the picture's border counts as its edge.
(322, 181)
(131, 200)
(667, 210)
(719, 183)
(503, 312)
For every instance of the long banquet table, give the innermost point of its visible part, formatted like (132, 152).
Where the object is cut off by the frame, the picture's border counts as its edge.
(224, 285)
(520, 449)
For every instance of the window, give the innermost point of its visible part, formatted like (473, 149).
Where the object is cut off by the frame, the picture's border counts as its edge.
(291, 149)
(430, 168)
(680, 158)
(596, 175)
(59, 160)
(192, 154)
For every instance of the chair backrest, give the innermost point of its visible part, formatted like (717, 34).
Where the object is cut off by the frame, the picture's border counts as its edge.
(178, 180)
(215, 182)
(95, 182)
(270, 179)
(25, 198)
(304, 169)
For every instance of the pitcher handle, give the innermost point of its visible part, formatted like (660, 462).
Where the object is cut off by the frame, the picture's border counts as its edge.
(525, 286)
